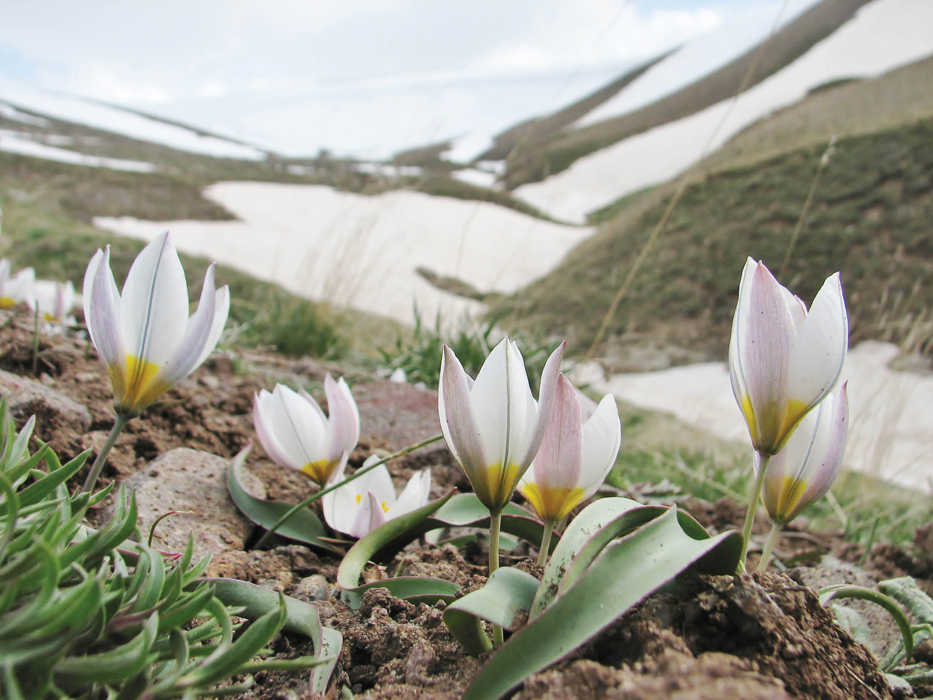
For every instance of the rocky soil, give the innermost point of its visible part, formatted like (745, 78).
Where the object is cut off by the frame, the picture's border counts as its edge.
(707, 637)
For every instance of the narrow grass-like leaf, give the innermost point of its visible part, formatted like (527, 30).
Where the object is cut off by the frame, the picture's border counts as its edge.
(627, 572)
(304, 526)
(254, 638)
(117, 664)
(842, 590)
(300, 617)
(39, 489)
(504, 601)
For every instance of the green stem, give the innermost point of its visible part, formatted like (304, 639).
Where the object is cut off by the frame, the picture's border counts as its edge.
(118, 425)
(768, 548)
(35, 342)
(545, 543)
(495, 523)
(755, 496)
(355, 475)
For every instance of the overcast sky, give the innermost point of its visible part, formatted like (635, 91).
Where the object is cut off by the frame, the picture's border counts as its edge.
(207, 59)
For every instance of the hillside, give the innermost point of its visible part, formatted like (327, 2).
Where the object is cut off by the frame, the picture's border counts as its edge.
(869, 219)
(538, 159)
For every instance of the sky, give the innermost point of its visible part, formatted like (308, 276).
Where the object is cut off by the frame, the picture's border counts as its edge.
(363, 76)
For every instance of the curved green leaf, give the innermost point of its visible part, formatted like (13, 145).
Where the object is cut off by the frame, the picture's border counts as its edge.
(300, 617)
(843, 590)
(624, 574)
(304, 526)
(503, 601)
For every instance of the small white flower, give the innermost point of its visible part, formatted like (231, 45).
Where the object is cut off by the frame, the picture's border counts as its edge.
(364, 504)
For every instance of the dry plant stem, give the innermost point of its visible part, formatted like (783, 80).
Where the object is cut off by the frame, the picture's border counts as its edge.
(35, 342)
(768, 548)
(495, 522)
(752, 510)
(121, 420)
(545, 543)
(356, 475)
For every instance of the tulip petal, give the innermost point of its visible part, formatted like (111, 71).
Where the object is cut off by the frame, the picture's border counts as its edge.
(557, 464)
(415, 494)
(489, 402)
(197, 333)
(343, 428)
(549, 377)
(102, 309)
(819, 351)
(265, 430)
(154, 303)
(298, 428)
(456, 414)
(602, 439)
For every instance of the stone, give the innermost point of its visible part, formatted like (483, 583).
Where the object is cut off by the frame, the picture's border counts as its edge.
(53, 410)
(194, 484)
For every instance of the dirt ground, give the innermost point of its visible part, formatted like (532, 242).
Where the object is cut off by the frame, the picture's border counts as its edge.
(706, 637)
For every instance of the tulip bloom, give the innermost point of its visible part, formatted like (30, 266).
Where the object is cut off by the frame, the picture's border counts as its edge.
(493, 426)
(295, 432)
(576, 454)
(54, 300)
(144, 334)
(15, 289)
(783, 360)
(359, 507)
(809, 462)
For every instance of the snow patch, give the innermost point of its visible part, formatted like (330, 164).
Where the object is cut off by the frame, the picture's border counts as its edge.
(13, 142)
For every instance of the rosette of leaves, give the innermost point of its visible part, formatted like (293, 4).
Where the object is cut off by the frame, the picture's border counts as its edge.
(88, 612)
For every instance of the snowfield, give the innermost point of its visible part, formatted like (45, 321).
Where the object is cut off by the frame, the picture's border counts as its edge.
(889, 426)
(883, 35)
(14, 94)
(14, 142)
(363, 251)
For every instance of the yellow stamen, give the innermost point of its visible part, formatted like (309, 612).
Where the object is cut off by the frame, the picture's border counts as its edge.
(385, 507)
(7, 303)
(791, 492)
(499, 483)
(136, 384)
(359, 498)
(320, 471)
(552, 504)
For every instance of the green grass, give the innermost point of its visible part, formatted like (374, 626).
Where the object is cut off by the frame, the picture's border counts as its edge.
(869, 219)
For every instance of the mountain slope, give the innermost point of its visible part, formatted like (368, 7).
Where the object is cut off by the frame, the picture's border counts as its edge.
(869, 219)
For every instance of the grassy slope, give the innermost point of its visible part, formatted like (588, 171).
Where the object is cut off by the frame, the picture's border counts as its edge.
(789, 42)
(870, 219)
(46, 225)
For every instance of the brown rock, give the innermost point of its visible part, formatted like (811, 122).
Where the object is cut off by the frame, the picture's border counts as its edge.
(53, 410)
(194, 484)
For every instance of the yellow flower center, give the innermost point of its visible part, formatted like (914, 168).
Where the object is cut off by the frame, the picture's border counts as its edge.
(792, 491)
(772, 427)
(320, 471)
(136, 384)
(385, 506)
(497, 485)
(552, 504)
(7, 303)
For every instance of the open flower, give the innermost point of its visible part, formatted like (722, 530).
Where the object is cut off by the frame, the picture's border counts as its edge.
(493, 426)
(144, 334)
(364, 504)
(54, 300)
(575, 455)
(783, 360)
(295, 432)
(809, 462)
(17, 288)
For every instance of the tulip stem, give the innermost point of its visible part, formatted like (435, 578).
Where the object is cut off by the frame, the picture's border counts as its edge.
(754, 498)
(495, 523)
(768, 548)
(121, 420)
(355, 475)
(545, 543)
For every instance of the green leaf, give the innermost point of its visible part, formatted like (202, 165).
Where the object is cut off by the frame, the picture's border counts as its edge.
(118, 664)
(41, 488)
(625, 573)
(503, 601)
(304, 526)
(300, 617)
